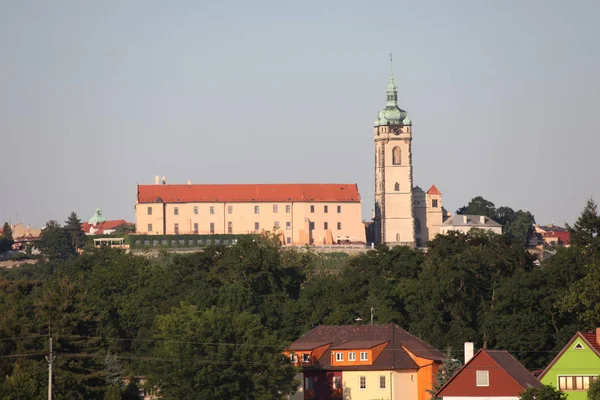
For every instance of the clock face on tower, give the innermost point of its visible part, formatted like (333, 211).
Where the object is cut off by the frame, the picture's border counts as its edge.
(396, 131)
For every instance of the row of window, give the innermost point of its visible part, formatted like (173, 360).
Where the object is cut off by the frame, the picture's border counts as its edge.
(182, 242)
(288, 209)
(575, 382)
(364, 356)
(309, 382)
(325, 225)
(288, 226)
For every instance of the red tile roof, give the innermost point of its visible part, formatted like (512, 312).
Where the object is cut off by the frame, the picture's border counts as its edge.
(103, 226)
(248, 193)
(393, 356)
(504, 360)
(433, 190)
(591, 339)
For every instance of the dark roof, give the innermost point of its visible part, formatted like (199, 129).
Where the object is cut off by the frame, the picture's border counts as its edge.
(306, 345)
(514, 368)
(393, 355)
(552, 228)
(360, 344)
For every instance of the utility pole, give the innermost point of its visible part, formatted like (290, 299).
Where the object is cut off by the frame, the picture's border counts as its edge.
(373, 308)
(50, 360)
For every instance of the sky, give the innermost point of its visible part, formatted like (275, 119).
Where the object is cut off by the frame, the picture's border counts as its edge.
(97, 97)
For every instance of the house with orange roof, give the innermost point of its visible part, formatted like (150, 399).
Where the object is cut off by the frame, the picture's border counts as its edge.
(363, 362)
(314, 214)
(576, 366)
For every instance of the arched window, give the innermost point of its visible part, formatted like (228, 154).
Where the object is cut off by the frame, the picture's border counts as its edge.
(397, 187)
(397, 237)
(396, 156)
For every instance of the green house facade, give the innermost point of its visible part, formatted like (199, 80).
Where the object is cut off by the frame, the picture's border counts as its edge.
(576, 366)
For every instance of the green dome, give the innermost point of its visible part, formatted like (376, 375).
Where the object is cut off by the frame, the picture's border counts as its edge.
(407, 121)
(391, 114)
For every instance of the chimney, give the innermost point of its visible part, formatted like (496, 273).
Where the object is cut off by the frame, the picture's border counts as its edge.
(164, 180)
(598, 335)
(156, 180)
(469, 350)
(464, 219)
(189, 182)
(482, 219)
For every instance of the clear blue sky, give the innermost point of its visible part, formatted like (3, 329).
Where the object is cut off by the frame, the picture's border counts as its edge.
(96, 97)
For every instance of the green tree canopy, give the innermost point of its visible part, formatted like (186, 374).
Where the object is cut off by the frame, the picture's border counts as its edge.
(73, 230)
(6, 239)
(543, 393)
(593, 392)
(54, 242)
(586, 229)
(218, 354)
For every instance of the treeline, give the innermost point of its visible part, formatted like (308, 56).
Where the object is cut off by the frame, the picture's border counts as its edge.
(212, 324)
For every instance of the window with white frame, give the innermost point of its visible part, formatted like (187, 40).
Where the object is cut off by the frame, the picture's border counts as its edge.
(305, 357)
(339, 356)
(288, 225)
(211, 209)
(196, 210)
(381, 382)
(288, 209)
(256, 210)
(149, 210)
(337, 382)
(364, 356)
(309, 382)
(362, 382)
(351, 356)
(482, 378)
(149, 228)
(294, 357)
(275, 208)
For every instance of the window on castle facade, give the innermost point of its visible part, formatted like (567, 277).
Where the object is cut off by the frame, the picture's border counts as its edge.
(434, 203)
(396, 156)
(397, 187)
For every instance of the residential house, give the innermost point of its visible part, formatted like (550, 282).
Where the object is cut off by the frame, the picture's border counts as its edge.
(576, 366)
(553, 235)
(488, 375)
(23, 235)
(363, 362)
(464, 223)
(98, 225)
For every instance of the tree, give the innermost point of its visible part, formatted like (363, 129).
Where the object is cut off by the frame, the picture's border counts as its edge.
(54, 242)
(217, 354)
(518, 226)
(448, 368)
(74, 232)
(544, 392)
(593, 392)
(113, 393)
(587, 227)
(114, 371)
(479, 206)
(6, 239)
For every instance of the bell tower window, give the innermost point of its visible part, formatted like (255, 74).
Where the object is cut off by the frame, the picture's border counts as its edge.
(396, 156)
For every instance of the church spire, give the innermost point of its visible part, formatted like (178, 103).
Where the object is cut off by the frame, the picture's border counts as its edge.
(392, 114)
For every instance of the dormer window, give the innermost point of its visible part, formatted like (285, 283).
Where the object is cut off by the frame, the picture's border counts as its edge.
(364, 356)
(294, 358)
(305, 358)
(352, 356)
(339, 356)
(482, 378)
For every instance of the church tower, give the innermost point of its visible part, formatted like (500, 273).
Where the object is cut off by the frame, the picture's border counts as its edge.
(394, 220)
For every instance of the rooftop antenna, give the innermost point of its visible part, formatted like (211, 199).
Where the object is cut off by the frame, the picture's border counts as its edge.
(373, 313)
(391, 66)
